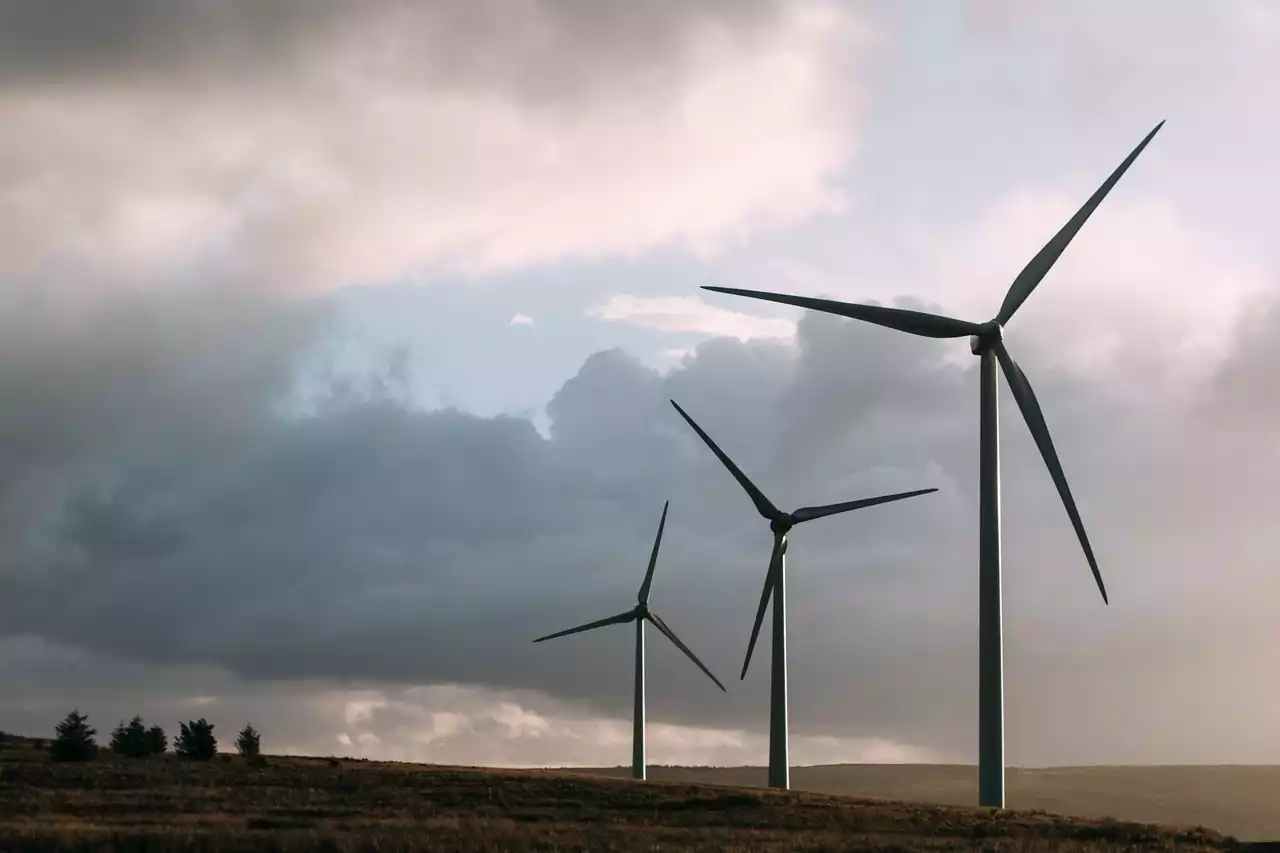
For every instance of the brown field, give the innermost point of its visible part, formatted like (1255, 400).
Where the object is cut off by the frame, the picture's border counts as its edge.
(1241, 800)
(294, 804)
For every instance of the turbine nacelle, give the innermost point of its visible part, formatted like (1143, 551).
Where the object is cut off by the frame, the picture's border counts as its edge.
(782, 524)
(990, 334)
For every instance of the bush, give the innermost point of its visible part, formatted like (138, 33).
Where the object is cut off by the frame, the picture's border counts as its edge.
(249, 743)
(157, 741)
(74, 740)
(195, 740)
(131, 740)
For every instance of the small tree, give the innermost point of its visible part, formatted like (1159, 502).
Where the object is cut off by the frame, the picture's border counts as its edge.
(249, 743)
(157, 741)
(195, 740)
(131, 740)
(74, 739)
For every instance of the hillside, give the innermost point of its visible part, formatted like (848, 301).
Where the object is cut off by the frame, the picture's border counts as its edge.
(1243, 801)
(231, 805)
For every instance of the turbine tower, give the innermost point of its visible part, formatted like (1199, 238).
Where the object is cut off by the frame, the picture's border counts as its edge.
(775, 585)
(986, 342)
(640, 614)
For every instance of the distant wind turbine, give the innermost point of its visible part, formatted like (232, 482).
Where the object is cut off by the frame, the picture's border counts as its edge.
(775, 584)
(986, 341)
(639, 614)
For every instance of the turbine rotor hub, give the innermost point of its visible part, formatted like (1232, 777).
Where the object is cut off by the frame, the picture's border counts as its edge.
(782, 523)
(992, 333)
(641, 611)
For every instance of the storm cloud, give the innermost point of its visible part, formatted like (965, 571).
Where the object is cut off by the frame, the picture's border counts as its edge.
(366, 541)
(534, 46)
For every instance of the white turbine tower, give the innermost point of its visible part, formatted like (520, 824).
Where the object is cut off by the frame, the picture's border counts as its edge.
(775, 585)
(639, 614)
(986, 342)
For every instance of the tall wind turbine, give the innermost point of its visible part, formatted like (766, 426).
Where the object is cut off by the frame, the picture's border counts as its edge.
(639, 614)
(775, 584)
(986, 342)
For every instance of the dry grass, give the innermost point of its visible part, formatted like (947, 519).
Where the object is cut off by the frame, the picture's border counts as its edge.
(1243, 801)
(289, 804)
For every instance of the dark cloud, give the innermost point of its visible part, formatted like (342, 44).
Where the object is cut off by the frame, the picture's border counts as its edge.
(192, 520)
(545, 49)
(143, 383)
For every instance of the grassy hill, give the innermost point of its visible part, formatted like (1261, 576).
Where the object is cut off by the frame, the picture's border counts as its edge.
(231, 805)
(1243, 801)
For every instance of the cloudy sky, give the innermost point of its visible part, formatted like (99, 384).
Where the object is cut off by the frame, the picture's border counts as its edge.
(336, 341)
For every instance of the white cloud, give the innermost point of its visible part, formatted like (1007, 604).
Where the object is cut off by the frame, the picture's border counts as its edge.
(518, 721)
(689, 314)
(1262, 20)
(833, 750)
(1142, 282)
(444, 724)
(354, 165)
(1138, 281)
(360, 709)
(470, 725)
(520, 320)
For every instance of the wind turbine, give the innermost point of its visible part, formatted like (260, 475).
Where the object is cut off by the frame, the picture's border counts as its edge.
(639, 614)
(775, 584)
(986, 342)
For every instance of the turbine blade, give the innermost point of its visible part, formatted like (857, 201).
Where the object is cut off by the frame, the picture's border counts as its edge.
(764, 601)
(671, 635)
(1046, 257)
(1026, 399)
(620, 619)
(763, 506)
(653, 557)
(809, 513)
(912, 322)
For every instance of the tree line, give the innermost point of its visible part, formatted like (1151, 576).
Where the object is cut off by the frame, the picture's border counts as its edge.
(75, 740)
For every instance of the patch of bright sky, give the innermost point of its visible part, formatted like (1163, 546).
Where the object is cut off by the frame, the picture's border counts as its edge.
(464, 351)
